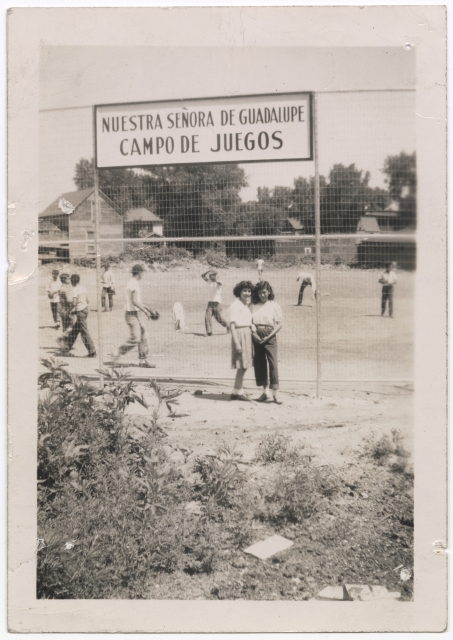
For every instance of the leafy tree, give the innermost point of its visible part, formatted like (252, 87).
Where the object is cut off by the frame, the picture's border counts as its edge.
(344, 198)
(402, 183)
(193, 200)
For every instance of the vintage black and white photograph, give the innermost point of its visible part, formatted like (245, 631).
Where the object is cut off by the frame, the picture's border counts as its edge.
(227, 261)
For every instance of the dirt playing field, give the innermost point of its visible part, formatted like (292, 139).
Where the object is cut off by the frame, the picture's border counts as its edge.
(357, 343)
(362, 534)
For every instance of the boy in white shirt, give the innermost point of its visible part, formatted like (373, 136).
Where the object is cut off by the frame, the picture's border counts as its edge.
(307, 280)
(80, 315)
(53, 287)
(108, 288)
(214, 307)
(260, 267)
(134, 308)
(388, 280)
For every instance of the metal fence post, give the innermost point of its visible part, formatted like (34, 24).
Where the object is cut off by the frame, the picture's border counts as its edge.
(317, 249)
(97, 218)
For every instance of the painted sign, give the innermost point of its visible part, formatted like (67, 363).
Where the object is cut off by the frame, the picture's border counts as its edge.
(215, 130)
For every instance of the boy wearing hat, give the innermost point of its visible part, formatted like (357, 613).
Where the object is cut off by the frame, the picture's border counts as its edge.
(65, 304)
(214, 307)
(133, 310)
(79, 321)
(53, 287)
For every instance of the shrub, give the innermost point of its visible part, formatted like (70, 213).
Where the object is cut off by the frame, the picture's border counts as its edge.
(85, 262)
(299, 491)
(220, 475)
(386, 449)
(150, 253)
(273, 448)
(277, 447)
(110, 505)
(216, 259)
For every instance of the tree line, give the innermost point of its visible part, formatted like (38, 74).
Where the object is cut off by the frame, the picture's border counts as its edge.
(204, 200)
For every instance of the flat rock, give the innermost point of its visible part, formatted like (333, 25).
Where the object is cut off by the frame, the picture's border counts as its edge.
(269, 547)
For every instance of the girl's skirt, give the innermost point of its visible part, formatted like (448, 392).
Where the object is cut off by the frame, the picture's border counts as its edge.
(242, 360)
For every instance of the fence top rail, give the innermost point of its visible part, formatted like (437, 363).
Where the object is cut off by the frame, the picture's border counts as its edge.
(327, 236)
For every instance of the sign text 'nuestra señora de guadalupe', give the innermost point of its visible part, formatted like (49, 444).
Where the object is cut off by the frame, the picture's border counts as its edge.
(243, 129)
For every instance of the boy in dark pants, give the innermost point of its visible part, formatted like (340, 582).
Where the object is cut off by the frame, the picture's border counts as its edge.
(65, 304)
(388, 280)
(80, 308)
(52, 289)
(214, 308)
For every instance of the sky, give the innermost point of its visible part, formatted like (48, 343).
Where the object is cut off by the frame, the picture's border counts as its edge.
(366, 102)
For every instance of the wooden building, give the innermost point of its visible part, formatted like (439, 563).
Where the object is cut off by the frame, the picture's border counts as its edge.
(71, 217)
(142, 223)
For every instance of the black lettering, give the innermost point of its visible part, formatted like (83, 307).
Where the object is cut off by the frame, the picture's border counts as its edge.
(274, 116)
(141, 122)
(232, 116)
(159, 144)
(148, 146)
(193, 119)
(184, 144)
(135, 148)
(105, 125)
(277, 139)
(224, 117)
(218, 144)
(267, 115)
(247, 143)
(125, 153)
(185, 119)
(170, 119)
(149, 122)
(178, 119)
(210, 120)
(266, 137)
(194, 142)
(259, 117)
(238, 140)
(123, 123)
(169, 145)
(286, 114)
(201, 118)
(158, 122)
(301, 113)
(133, 123)
(242, 118)
(293, 113)
(117, 124)
(225, 139)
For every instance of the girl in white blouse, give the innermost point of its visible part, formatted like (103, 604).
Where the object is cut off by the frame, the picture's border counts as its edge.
(240, 320)
(266, 323)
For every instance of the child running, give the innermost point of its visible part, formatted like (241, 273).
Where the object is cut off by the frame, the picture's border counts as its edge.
(138, 336)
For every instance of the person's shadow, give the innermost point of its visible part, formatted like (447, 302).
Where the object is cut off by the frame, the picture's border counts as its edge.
(223, 397)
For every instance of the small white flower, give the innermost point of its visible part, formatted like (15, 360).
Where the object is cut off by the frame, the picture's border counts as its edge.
(405, 574)
(69, 545)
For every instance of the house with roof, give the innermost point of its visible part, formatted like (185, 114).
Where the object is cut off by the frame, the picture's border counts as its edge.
(378, 221)
(71, 217)
(142, 223)
(293, 227)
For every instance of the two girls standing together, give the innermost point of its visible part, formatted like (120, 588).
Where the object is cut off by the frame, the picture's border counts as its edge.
(255, 319)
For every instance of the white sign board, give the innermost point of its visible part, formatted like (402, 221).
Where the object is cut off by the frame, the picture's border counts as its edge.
(210, 130)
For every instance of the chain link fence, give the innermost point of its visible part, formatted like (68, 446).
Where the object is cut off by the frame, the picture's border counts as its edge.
(329, 235)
